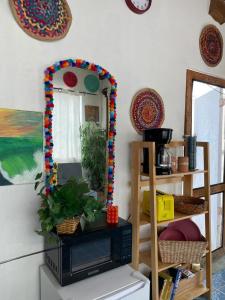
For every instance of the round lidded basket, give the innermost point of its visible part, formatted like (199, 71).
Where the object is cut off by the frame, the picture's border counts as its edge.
(68, 226)
(190, 205)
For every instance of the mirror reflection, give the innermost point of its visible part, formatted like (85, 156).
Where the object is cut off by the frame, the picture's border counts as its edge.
(80, 127)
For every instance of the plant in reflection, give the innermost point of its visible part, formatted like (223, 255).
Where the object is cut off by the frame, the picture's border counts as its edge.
(64, 202)
(93, 155)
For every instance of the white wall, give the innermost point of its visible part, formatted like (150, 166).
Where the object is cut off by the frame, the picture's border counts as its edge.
(151, 50)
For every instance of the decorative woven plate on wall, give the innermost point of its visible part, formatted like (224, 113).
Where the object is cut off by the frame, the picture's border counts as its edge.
(147, 110)
(45, 20)
(211, 45)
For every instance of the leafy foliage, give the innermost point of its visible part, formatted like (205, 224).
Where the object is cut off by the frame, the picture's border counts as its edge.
(93, 153)
(66, 201)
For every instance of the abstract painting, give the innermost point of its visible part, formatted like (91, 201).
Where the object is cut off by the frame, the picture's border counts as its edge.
(21, 146)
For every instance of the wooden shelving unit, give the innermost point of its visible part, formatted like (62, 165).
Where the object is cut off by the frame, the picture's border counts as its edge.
(140, 180)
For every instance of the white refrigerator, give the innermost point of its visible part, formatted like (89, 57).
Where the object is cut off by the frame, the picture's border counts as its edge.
(120, 283)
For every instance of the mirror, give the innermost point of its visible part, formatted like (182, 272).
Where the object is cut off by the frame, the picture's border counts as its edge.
(80, 133)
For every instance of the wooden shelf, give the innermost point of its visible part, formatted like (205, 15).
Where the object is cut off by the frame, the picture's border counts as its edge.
(196, 292)
(140, 180)
(145, 257)
(144, 240)
(172, 178)
(145, 219)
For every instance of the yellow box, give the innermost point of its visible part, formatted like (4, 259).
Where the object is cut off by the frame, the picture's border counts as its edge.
(164, 203)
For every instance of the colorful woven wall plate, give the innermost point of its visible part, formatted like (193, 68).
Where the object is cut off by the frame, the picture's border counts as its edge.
(211, 45)
(45, 20)
(91, 83)
(147, 110)
(70, 79)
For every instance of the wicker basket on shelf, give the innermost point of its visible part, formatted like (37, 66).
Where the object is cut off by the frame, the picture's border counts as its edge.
(190, 205)
(68, 226)
(182, 251)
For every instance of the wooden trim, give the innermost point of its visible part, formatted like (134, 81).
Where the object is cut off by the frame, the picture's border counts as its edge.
(153, 216)
(214, 189)
(208, 220)
(135, 203)
(188, 103)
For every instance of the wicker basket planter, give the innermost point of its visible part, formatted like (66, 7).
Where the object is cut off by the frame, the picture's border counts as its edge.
(182, 251)
(69, 226)
(190, 205)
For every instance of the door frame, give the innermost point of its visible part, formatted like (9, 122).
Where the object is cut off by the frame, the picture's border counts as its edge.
(192, 76)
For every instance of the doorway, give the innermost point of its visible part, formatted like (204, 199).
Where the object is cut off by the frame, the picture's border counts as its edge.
(205, 117)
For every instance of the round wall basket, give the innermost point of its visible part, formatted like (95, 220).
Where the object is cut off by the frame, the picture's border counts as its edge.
(91, 83)
(147, 110)
(211, 45)
(70, 79)
(45, 20)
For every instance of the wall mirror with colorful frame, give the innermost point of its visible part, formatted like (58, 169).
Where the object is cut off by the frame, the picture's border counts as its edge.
(80, 130)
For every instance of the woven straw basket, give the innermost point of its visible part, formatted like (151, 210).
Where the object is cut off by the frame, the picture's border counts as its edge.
(69, 226)
(190, 205)
(182, 251)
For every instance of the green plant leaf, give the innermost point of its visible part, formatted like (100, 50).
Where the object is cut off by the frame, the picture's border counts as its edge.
(36, 185)
(38, 176)
(56, 207)
(66, 201)
(93, 152)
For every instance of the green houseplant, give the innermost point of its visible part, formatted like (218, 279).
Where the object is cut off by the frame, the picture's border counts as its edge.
(93, 155)
(66, 202)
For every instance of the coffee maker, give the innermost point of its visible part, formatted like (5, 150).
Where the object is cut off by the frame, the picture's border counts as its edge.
(160, 136)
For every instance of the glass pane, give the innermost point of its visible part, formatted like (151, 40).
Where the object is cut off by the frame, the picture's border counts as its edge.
(216, 221)
(208, 125)
(96, 252)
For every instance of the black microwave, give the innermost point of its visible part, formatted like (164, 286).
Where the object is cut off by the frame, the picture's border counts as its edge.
(98, 248)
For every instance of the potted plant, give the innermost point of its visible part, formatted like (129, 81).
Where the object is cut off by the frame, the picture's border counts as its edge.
(93, 155)
(63, 207)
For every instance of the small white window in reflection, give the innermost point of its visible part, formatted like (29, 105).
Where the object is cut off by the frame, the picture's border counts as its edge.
(66, 127)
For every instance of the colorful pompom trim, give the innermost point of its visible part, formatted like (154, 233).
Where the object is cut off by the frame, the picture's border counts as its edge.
(49, 97)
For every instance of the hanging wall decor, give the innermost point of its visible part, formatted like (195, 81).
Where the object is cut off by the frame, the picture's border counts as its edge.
(147, 110)
(45, 20)
(70, 79)
(91, 83)
(139, 6)
(217, 10)
(21, 146)
(211, 45)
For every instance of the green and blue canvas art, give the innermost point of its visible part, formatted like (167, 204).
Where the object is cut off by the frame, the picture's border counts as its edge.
(21, 146)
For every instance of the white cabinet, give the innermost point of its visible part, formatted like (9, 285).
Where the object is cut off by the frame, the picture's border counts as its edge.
(120, 283)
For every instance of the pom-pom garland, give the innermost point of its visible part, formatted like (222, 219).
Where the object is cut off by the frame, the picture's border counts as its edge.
(49, 97)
